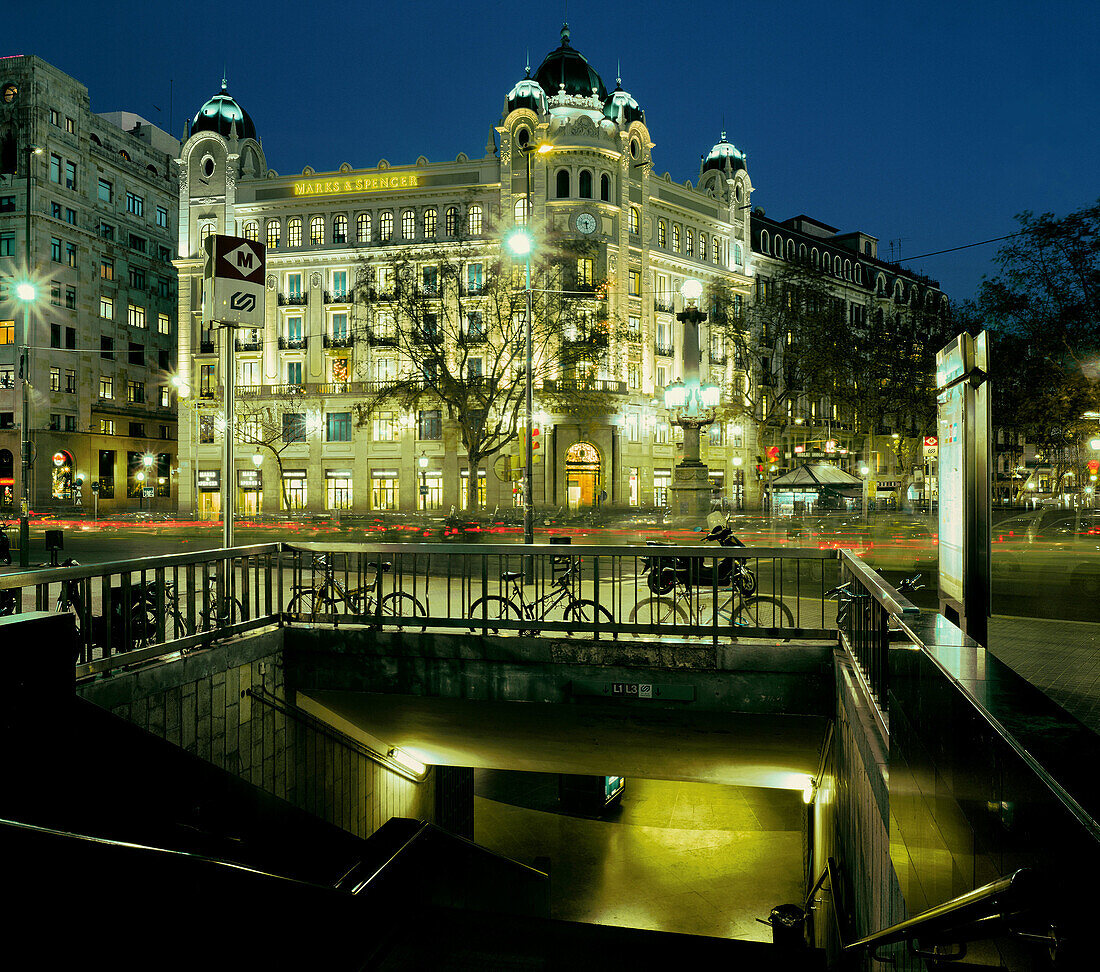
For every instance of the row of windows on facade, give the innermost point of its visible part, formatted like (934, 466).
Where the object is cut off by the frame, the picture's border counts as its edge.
(70, 128)
(138, 475)
(137, 243)
(135, 315)
(63, 172)
(472, 225)
(844, 268)
(67, 252)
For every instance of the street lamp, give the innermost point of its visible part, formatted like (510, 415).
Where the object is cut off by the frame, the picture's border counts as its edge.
(521, 243)
(139, 478)
(863, 471)
(25, 291)
(422, 461)
(693, 405)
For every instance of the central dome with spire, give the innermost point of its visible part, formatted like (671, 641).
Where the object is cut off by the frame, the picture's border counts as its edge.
(566, 70)
(219, 115)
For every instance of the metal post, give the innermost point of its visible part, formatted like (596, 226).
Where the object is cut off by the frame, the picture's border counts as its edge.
(227, 461)
(24, 373)
(528, 472)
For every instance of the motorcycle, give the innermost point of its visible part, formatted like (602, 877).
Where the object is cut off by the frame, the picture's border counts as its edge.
(5, 545)
(664, 573)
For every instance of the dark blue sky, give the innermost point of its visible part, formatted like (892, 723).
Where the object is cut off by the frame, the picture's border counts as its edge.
(934, 122)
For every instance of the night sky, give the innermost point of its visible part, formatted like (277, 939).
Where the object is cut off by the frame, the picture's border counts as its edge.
(934, 122)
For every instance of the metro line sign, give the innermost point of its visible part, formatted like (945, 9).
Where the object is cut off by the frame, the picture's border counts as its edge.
(233, 280)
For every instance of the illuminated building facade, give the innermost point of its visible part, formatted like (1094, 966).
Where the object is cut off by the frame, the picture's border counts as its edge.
(569, 159)
(102, 323)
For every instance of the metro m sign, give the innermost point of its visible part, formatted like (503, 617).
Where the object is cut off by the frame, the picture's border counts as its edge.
(233, 280)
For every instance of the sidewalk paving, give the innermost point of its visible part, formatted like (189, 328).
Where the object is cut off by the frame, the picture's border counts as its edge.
(1061, 658)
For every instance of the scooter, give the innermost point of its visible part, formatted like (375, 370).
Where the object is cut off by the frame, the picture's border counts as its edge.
(5, 545)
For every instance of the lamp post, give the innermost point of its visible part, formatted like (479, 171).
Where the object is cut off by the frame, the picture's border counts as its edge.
(25, 291)
(693, 404)
(139, 476)
(863, 471)
(521, 244)
(422, 461)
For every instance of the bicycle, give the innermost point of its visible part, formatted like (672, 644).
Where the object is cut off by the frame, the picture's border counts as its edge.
(211, 615)
(142, 613)
(691, 585)
(545, 607)
(363, 601)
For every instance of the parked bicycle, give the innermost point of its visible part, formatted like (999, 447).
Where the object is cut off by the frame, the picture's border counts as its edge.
(684, 592)
(211, 613)
(558, 603)
(326, 597)
(140, 611)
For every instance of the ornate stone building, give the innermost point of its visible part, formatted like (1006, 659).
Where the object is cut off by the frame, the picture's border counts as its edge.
(569, 159)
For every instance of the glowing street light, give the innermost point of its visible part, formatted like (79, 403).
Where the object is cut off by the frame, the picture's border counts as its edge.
(520, 242)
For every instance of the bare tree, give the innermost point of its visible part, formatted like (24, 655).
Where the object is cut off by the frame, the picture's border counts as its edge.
(450, 324)
(266, 428)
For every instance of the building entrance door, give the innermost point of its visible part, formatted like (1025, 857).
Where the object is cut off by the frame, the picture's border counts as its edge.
(249, 502)
(210, 505)
(582, 475)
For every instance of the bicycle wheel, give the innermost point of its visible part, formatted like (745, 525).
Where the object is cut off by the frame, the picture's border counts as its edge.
(301, 603)
(764, 612)
(658, 610)
(586, 611)
(400, 604)
(494, 608)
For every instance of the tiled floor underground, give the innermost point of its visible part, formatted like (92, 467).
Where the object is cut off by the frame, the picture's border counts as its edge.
(697, 858)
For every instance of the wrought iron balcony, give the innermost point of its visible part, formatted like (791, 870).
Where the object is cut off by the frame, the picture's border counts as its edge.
(718, 359)
(248, 345)
(376, 339)
(293, 300)
(664, 350)
(431, 335)
(593, 340)
(292, 344)
(665, 306)
(343, 341)
(473, 337)
(207, 347)
(606, 386)
(340, 297)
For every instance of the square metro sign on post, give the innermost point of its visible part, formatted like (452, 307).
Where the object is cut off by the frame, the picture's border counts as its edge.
(233, 280)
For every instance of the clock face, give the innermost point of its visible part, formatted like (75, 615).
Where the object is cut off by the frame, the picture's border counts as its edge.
(586, 223)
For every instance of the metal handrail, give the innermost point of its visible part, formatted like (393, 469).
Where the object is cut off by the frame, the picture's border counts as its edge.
(882, 592)
(957, 920)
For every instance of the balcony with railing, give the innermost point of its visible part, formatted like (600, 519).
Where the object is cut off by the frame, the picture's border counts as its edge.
(293, 300)
(207, 347)
(602, 386)
(375, 339)
(293, 344)
(340, 296)
(249, 344)
(663, 349)
(339, 340)
(664, 306)
(473, 337)
(592, 339)
(427, 335)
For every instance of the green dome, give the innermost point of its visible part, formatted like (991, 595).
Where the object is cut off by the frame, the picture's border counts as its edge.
(220, 113)
(724, 155)
(568, 67)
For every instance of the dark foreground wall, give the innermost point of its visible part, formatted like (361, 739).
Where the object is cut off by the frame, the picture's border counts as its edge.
(202, 704)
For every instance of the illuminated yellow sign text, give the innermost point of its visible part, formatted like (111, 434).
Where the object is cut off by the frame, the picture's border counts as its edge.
(372, 183)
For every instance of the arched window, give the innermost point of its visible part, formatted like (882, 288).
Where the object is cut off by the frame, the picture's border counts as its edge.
(451, 221)
(605, 187)
(563, 183)
(847, 269)
(815, 258)
(662, 233)
(790, 250)
(827, 263)
(431, 222)
(859, 274)
(408, 224)
(738, 255)
(703, 246)
(675, 237)
(635, 220)
(274, 231)
(294, 231)
(689, 242)
(207, 229)
(716, 246)
(252, 231)
(898, 290)
(473, 220)
(801, 252)
(585, 185)
(385, 226)
(317, 231)
(765, 240)
(340, 229)
(777, 246)
(522, 211)
(880, 285)
(362, 228)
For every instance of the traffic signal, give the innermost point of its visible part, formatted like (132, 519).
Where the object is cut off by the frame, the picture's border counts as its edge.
(536, 458)
(773, 453)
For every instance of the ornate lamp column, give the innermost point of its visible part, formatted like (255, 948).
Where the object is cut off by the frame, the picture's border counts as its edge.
(692, 405)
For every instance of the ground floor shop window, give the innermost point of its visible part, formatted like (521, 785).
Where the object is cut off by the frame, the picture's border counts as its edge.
(464, 489)
(293, 496)
(338, 488)
(662, 483)
(383, 489)
(431, 491)
(633, 488)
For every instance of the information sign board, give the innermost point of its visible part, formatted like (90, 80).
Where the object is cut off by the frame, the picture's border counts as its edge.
(233, 284)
